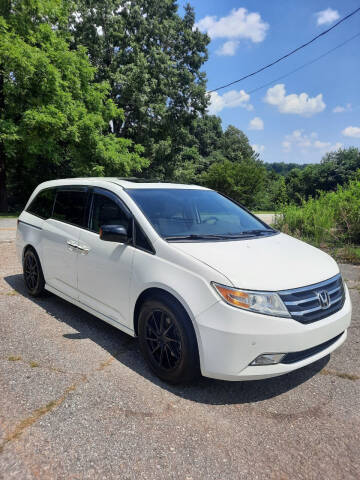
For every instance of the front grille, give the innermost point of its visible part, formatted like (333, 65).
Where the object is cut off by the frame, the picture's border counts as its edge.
(298, 356)
(304, 304)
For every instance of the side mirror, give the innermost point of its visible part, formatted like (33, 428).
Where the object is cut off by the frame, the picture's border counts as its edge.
(114, 233)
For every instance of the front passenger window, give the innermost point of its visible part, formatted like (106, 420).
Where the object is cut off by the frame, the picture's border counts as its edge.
(106, 212)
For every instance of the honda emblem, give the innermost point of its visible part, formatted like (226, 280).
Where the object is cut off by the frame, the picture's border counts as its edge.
(324, 299)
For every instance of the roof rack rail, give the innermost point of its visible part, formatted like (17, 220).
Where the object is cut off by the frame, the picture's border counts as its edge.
(139, 180)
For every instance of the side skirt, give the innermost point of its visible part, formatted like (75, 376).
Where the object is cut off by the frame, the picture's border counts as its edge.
(88, 309)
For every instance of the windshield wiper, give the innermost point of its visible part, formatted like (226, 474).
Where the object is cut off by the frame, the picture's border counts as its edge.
(246, 233)
(258, 231)
(198, 237)
(250, 233)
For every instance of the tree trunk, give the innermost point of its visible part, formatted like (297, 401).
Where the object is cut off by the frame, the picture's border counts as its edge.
(3, 192)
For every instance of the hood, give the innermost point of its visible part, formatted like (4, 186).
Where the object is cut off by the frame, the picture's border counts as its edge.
(277, 262)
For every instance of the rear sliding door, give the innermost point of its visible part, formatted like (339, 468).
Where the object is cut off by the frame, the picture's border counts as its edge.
(60, 238)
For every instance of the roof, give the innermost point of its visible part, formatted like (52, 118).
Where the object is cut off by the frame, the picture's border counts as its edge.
(152, 184)
(122, 182)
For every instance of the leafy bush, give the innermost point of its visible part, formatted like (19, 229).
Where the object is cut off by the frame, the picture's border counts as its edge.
(241, 180)
(332, 218)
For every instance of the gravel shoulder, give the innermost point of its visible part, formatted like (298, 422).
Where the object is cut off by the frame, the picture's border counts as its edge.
(7, 230)
(77, 401)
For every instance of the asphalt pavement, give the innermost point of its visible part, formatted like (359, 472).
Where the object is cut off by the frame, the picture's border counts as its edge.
(78, 402)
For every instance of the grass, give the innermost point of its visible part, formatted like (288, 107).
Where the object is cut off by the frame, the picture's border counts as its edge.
(264, 211)
(331, 222)
(9, 215)
(345, 254)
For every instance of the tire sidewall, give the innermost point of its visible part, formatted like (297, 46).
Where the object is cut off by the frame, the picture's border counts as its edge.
(39, 287)
(188, 367)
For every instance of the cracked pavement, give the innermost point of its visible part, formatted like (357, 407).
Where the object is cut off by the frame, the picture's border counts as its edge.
(77, 401)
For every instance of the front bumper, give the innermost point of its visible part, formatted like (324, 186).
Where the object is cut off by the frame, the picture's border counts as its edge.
(230, 339)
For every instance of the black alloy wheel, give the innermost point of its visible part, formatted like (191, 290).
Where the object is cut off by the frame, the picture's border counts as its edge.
(163, 339)
(33, 275)
(167, 340)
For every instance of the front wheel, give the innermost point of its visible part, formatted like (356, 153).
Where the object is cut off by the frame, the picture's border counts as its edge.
(33, 275)
(167, 340)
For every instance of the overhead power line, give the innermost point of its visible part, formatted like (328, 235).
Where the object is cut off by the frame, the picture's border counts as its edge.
(288, 54)
(267, 84)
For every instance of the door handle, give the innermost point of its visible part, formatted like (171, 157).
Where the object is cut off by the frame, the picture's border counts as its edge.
(83, 249)
(72, 245)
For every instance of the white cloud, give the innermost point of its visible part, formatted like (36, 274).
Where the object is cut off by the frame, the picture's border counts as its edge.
(327, 146)
(341, 109)
(336, 146)
(258, 148)
(305, 142)
(353, 132)
(100, 31)
(228, 48)
(300, 104)
(286, 145)
(297, 139)
(256, 124)
(321, 145)
(238, 24)
(231, 99)
(325, 17)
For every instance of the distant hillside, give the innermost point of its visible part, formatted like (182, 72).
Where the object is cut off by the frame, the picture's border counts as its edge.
(284, 168)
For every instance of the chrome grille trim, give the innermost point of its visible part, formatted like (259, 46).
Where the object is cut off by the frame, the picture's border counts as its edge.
(303, 303)
(334, 290)
(304, 312)
(298, 302)
(309, 287)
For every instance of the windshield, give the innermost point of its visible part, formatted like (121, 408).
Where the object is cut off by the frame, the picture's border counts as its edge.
(195, 214)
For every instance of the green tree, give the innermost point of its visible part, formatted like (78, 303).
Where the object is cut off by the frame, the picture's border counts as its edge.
(152, 58)
(54, 118)
(235, 145)
(207, 132)
(273, 195)
(232, 167)
(336, 168)
(201, 148)
(283, 168)
(241, 180)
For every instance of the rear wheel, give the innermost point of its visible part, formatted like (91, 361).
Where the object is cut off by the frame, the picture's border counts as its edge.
(167, 340)
(33, 275)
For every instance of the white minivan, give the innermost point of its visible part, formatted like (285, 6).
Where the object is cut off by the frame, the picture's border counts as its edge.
(206, 286)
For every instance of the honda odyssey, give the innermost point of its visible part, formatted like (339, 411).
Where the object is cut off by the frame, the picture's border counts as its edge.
(206, 286)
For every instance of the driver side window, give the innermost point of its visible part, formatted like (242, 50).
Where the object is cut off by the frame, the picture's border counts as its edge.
(106, 211)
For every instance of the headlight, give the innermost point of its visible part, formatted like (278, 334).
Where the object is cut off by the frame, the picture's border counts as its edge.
(261, 302)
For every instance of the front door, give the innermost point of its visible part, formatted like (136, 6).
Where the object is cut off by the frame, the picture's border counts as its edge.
(104, 268)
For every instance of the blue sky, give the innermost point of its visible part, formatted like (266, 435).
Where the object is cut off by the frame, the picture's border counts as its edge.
(299, 118)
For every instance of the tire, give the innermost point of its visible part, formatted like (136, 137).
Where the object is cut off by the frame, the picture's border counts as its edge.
(167, 340)
(33, 274)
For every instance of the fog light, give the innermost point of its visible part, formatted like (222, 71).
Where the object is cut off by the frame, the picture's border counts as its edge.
(268, 359)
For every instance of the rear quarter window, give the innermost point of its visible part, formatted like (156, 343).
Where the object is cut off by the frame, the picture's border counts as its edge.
(70, 206)
(42, 205)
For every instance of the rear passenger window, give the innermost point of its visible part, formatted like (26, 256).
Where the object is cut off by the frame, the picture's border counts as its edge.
(42, 205)
(70, 206)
